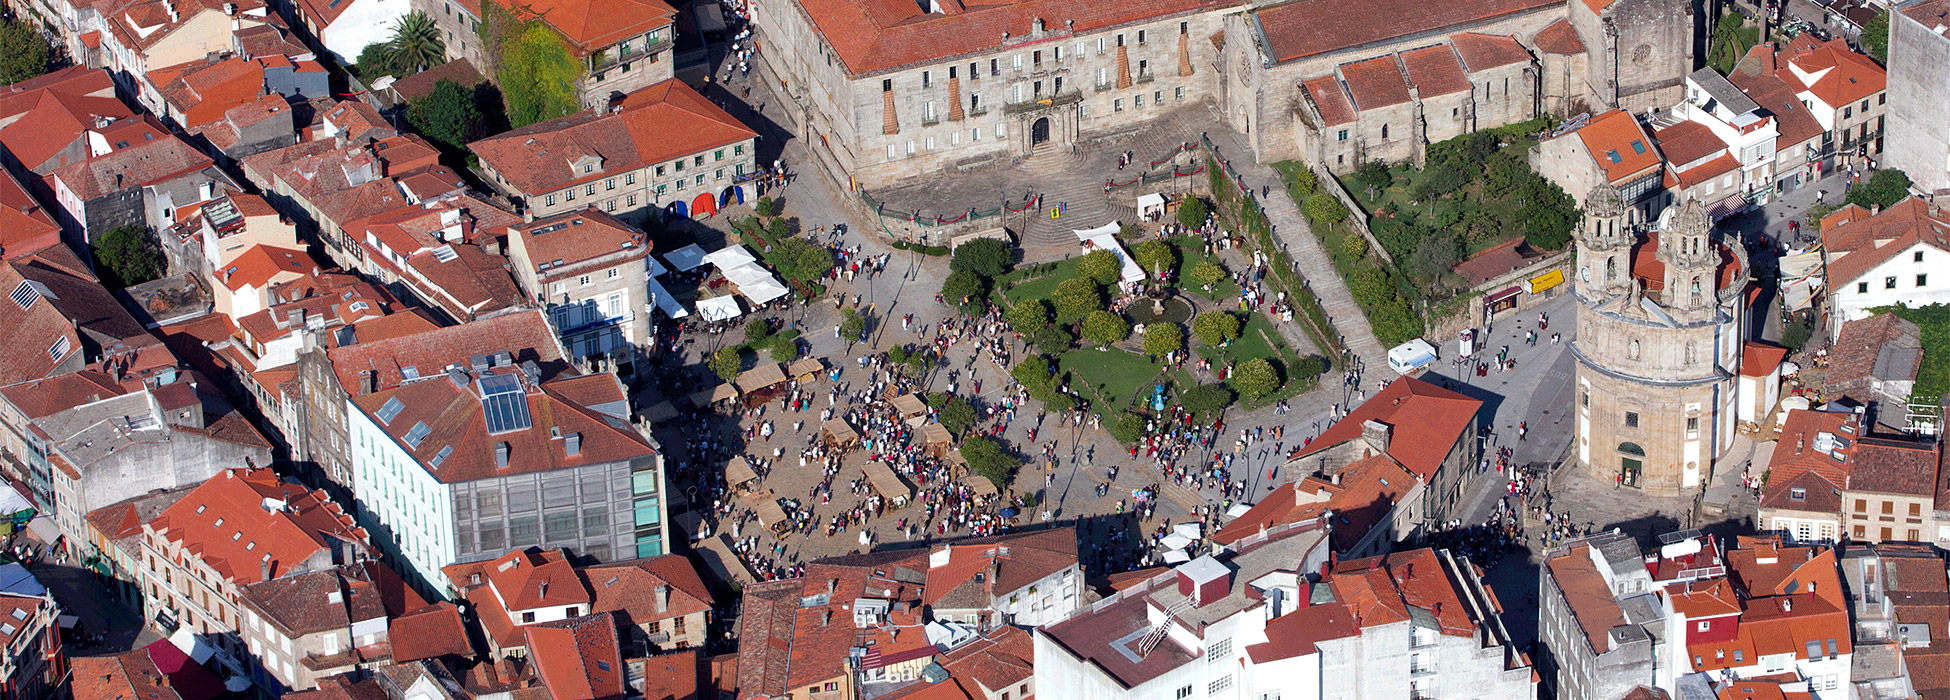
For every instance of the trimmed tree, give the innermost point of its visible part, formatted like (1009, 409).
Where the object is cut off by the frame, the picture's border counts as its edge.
(800, 261)
(128, 255)
(1163, 338)
(1214, 328)
(727, 363)
(987, 257)
(1075, 298)
(1157, 257)
(964, 289)
(1192, 212)
(1207, 400)
(1206, 273)
(1128, 428)
(852, 324)
(1324, 208)
(1255, 378)
(990, 460)
(1029, 316)
(1052, 340)
(1034, 373)
(782, 348)
(1100, 266)
(1105, 327)
(447, 115)
(1882, 189)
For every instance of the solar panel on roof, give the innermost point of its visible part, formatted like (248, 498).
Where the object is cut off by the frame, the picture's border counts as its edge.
(390, 411)
(503, 405)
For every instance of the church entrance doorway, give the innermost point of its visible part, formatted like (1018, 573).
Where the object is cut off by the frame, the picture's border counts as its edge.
(1039, 132)
(1631, 464)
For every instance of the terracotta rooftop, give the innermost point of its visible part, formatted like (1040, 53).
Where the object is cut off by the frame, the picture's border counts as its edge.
(1832, 72)
(1619, 145)
(579, 658)
(662, 122)
(151, 163)
(156, 672)
(257, 267)
(1426, 420)
(591, 25)
(1332, 101)
(229, 523)
(1375, 83)
(1560, 39)
(525, 335)
(1857, 244)
(1687, 142)
(459, 70)
(1799, 452)
(202, 93)
(1792, 121)
(25, 225)
(1496, 261)
(872, 36)
(1435, 70)
(1883, 347)
(1306, 28)
(1760, 359)
(1481, 52)
(74, 307)
(1360, 500)
(575, 242)
(1893, 467)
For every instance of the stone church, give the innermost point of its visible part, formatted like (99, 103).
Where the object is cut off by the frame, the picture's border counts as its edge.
(1660, 320)
(887, 90)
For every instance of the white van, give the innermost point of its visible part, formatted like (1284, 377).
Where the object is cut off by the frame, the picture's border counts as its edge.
(1411, 356)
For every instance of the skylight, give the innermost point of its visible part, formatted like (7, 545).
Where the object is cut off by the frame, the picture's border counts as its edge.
(417, 434)
(440, 456)
(25, 295)
(503, 405)
(1638, 146)
(391, 410)
(1613, 155)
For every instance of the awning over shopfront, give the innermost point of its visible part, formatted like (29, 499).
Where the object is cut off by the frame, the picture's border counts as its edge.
(1540, 283)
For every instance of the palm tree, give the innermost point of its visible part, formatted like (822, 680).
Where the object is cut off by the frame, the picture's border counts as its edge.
(416, 44)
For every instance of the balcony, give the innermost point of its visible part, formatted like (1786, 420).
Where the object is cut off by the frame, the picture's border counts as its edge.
(931, 120)
(978, 111)
(1057, 100)
(1144, 77)
(1419, 670)
(611, 57)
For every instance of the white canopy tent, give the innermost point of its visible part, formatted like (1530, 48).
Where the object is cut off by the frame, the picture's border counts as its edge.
(1175, 541)
(1105, 238)
(1186, 530)
(719, 308)
(729, 257)
(665, 301)
(1177, 557)
(686, 258)
(1151, 205)
(756, 283)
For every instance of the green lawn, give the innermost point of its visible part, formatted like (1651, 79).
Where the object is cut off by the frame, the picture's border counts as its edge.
(1933, 378)
(1041, 287)
(1252, 343)
(1190, 251)
(1114, 376)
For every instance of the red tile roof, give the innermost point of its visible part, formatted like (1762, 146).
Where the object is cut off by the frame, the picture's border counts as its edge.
(1435, 70)
(1312, 27)
(525, 335)
(430, 632)
(202, 93)
(1328, 96)
(1893, 466)
(1792, 121)
(1687, 142)
(1560, 39)
(871, 36)
(579, 658)
(136, 674)
(1833, 72)
(41, 117)
(227, 523)
(1365, 494)
(1795, 455)
(1651, 271)
(566, 241)
(1375, 83)
(46, 397)
(143, 164)
(591, 25)
(662, 122)
(1426, 420)
(1862, 343)
(261, 264)
(1619, 145)
(1856, 246)
(1760, 359)
(672, 676)
(629, 588)
(1587, 594)
(1765, 568)
(25, 225)
(1484, 51)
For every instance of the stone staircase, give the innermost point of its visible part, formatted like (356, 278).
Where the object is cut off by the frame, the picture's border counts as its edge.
(1083, 199)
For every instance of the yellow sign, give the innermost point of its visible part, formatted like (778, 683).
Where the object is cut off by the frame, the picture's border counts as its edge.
(1537, 285)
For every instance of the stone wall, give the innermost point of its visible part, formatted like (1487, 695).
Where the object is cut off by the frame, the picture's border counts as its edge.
(1919, 103)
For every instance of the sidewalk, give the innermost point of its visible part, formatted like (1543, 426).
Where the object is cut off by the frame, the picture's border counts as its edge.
(1304, 248)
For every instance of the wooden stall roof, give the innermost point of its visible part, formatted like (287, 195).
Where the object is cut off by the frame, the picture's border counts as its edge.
(936, 434)
(766, 504)
(738, 471)
(837, 430)
(764, 376)
(806, 366)
(886, 481)
(908, 405)
(718, 556)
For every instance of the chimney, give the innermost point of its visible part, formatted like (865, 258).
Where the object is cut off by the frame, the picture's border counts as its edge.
(544, 589)
(501, 455)
(264, 568)
(1378, 435)
(663, 598)
(572, 444)
(1787, 605)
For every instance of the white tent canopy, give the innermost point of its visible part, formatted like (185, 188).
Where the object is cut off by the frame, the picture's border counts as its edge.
(729, 257)
(686, 258)
(1105, 237)
(1175, 541)
(665, 301)
(755, 282)
(1150, 204)
(1177, 557)
(1186, 530)
(719, 308)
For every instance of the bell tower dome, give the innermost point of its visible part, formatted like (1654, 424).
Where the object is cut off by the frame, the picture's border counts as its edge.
(1604, 244)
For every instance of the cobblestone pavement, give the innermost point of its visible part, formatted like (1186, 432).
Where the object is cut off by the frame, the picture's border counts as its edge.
(81, 594)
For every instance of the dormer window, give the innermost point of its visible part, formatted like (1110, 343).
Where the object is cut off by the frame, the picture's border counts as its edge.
(1798, 494)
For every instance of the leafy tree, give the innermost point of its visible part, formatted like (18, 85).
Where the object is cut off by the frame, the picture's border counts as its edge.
(374, 61)
(1128, 428)
(801, 261)
(1163, 338)
(765, 207)
(447, 115)
(1309, 367)
(1100, 266)
(1206, 273)
(128, 255)
(1207, 400)
(757, 331)
(1255, 378)
(782, 348)
(1352, 246)
(957, 416)
(538, 75)
(987, 257)
(1434, 257)
(966, 290)
(23, 53)
(1875, 37)
(727, 363)
(1192, 212)
(988, 459)
(416, 44)
(852, 324)
(1323, 208)
(1548, 214)
(1301, 182)
(1052, 340)
(1074, 298)
(1029, 316)
(1155, 256)
(897, 354)
(1374, 174)
(1105, 327)
(1215, 327)
(1881, 189)
(1034, 373)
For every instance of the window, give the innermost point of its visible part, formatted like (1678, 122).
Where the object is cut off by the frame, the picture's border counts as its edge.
(926, 78)
(1384, 132)
(1799, 494)
(1138, 100)
(609, 184)
(629, 178)
(1140, 37)
(1179, 93)
(1860, 287)
(1631, 419)
(1889, 282)
(632, 203)
(527, 617)
(1888, 507)
(887, 85)
(1915, 511)
(582, 281)
(1922, 280)
(1342, 135)
(1184, 692)
(1703, 626)
(614, 273)
(1692, 424)
(1219, 686)
(589, 189)
(1918, 257)
(1117, 105)
(1861, 505)
(1218, 651)
(550, 201)
(1739, 656)
(1848, 111)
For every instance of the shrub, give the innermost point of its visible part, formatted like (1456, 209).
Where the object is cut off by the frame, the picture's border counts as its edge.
(447, 115)
(1255, 378)
(727, 363)
(757, 331)
(852, 324)
(1052, 340)
(965, 289)
(1192, 212)
(1128, 428)
(1076, 298)
(1214, 328)
(765, 207)
(1163, 338)
(1302, 182)
(1309, 367)
(1323, 208)
(1034, 373)
(897, 354)
(1206, 273)
(1157, 257)
(1029, 316)
(782, 348)
(1881, 189)
(1105, 327)
(987, 257)
(1207, 400)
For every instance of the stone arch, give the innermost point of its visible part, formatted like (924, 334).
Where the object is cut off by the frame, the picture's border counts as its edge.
(1631, 449)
